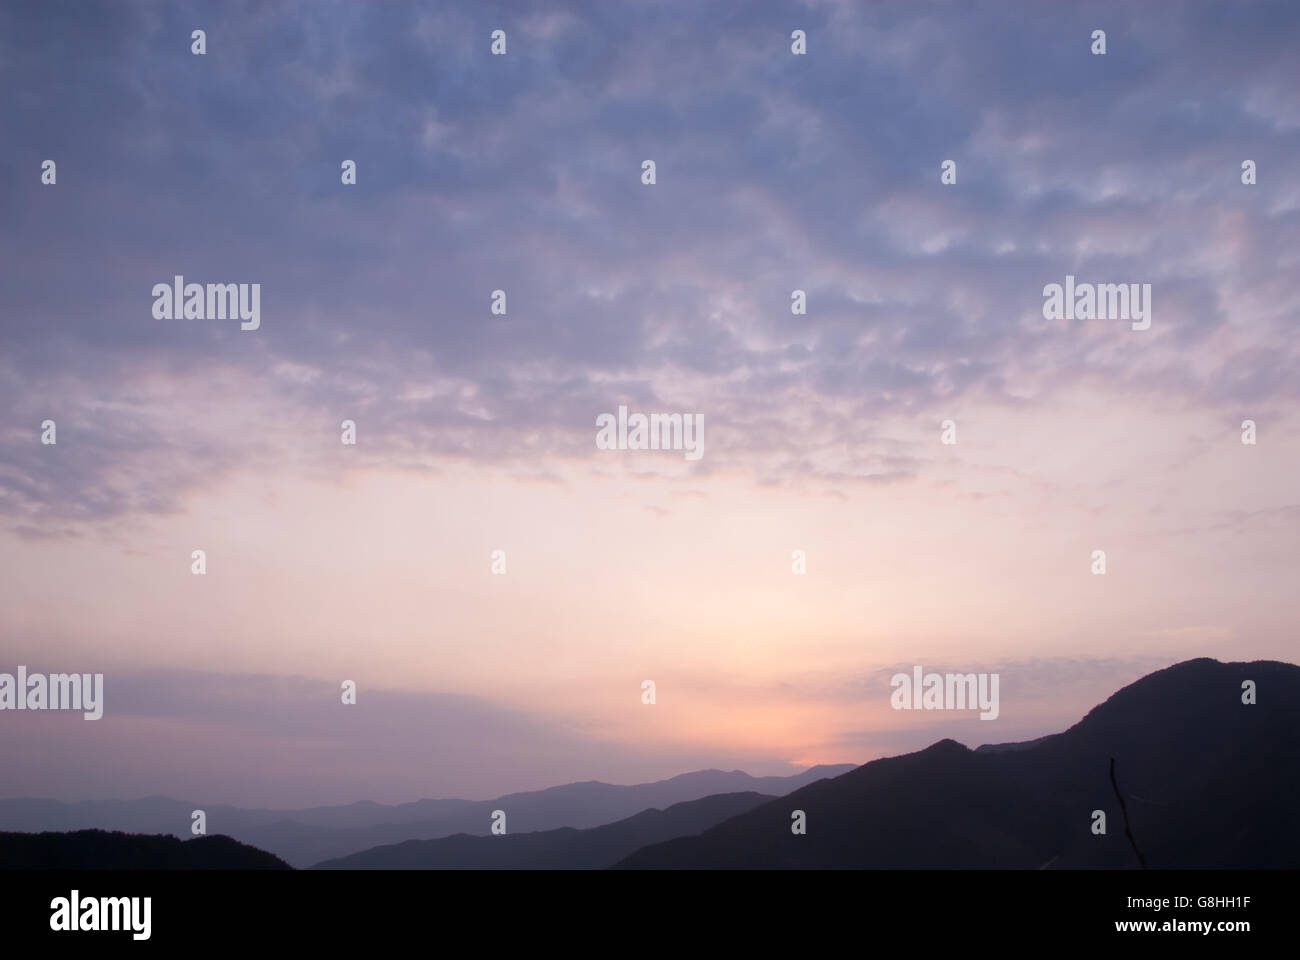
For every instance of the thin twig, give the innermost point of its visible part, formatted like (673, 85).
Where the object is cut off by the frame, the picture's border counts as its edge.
(1124, 810)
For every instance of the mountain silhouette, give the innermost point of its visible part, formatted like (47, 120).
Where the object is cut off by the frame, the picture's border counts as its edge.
(565, 848)
(101, 850)
(1208, 782)
(308, 836)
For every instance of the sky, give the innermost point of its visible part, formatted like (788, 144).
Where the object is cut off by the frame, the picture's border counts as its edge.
(476, 432)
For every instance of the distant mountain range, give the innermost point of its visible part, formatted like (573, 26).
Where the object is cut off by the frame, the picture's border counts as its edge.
(100, 850)
(306, 837)
(565, 848)
(1208, 782)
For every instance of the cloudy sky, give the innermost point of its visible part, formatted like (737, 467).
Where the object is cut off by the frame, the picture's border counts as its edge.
(476, 432)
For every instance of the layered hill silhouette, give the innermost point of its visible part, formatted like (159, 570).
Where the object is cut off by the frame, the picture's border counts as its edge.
(101, 850)
(1208, 782)
(308, 836)
(565, 848)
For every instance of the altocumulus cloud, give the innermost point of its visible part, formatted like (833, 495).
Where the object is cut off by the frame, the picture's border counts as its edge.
(776, 173)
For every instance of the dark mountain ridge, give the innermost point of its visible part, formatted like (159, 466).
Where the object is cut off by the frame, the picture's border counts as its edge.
(102, 850)
(565, 848)
(1209, 782)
